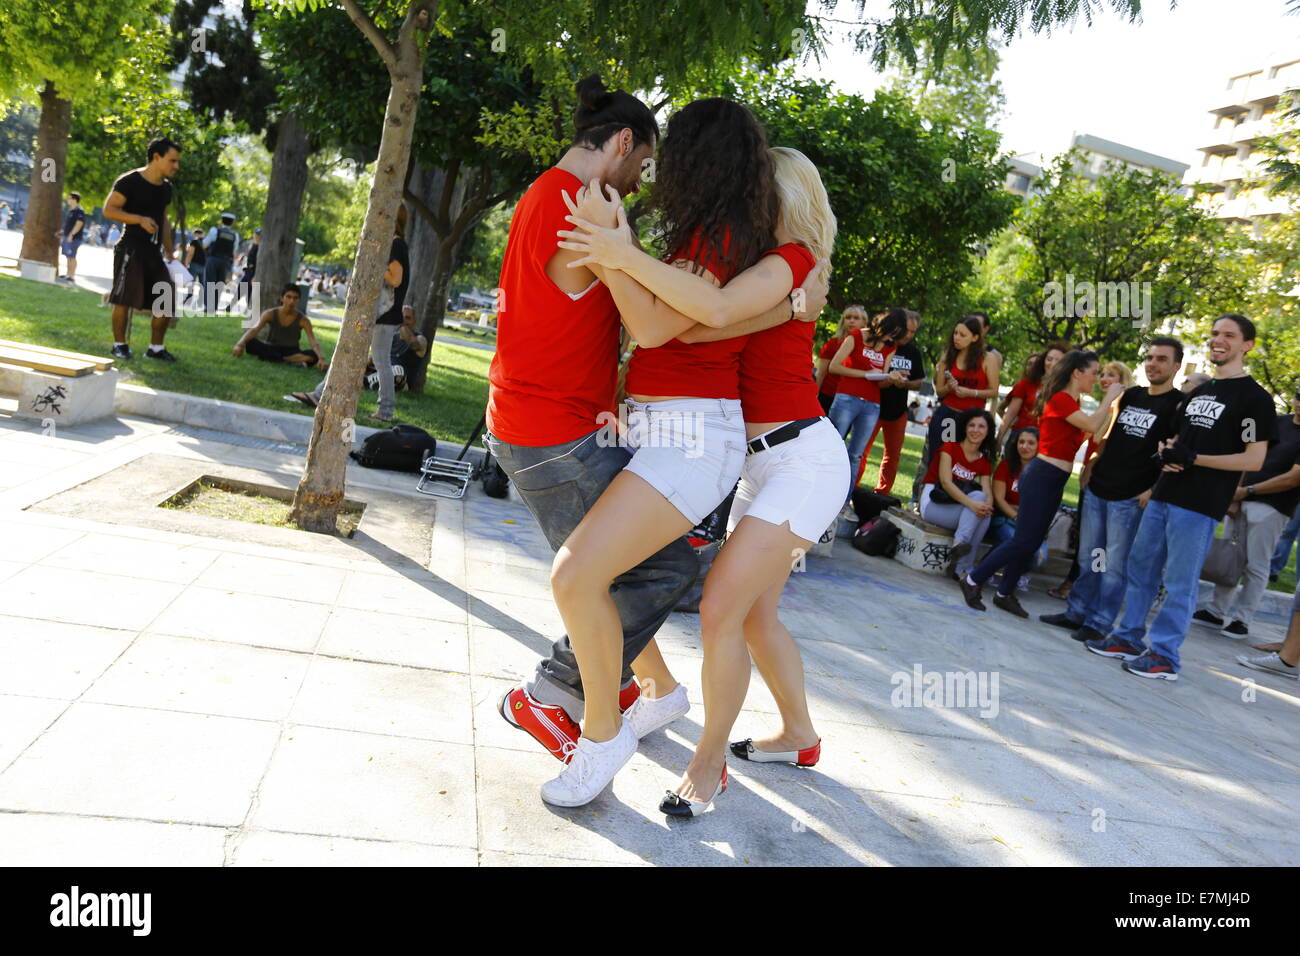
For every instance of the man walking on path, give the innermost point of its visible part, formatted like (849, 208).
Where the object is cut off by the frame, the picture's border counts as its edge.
(72, 234)
(1267, 499)
(1223, 430)
(1120, 487)
(139, 200)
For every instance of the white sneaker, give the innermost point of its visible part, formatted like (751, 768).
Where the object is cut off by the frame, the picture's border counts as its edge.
(1271, 663)
(591, 768)
(646, 716)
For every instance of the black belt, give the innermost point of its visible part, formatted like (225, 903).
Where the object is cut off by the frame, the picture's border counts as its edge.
(778, 435)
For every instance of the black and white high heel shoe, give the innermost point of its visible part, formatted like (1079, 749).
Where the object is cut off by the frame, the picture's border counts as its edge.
(808, 757)
(675, 805)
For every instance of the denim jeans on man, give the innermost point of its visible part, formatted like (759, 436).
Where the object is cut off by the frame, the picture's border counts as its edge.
(1041, 487)
(560, 484)
(1106, 531)
(852, 412)
(1169, 547)
(1282, 553)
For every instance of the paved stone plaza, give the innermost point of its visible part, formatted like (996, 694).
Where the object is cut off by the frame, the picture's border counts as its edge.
(175, 698)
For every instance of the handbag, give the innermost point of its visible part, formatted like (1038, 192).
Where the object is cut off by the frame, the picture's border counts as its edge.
(939, 494)
(1226, 560)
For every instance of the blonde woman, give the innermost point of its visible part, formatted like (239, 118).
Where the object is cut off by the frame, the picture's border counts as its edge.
(792, 484)
(851, 320)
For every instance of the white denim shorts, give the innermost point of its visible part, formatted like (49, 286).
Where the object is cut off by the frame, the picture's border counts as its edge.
(689, 449)
(803, 481)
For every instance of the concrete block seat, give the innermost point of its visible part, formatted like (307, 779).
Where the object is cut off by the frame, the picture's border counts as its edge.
(57, 386)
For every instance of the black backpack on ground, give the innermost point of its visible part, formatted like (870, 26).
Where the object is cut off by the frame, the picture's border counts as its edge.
(867, 504)
(879, 538)
(400, 448)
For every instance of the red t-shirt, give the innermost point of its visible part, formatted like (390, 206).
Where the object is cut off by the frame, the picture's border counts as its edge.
(1057, 438)
(697, 369)
(556, 364)
(977, 379)
(1027, 392)
(963, 468)
(776, 382)
(1003, 473)
(831, 382)
(868, 359)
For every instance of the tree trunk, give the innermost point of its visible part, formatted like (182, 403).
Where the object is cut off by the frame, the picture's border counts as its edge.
(283, 211)
(44, 205)
(320, 493)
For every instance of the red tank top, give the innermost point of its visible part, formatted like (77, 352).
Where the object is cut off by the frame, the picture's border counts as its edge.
(868, 359)
(1003, 473)
(1027, 392)
(977, 379)
(830, 381)
(1057, 438)
(776, 381)
(556, 364)
(963, 468)
(697, 369)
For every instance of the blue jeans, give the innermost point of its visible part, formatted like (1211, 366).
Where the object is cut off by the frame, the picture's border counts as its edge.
(1106, 531)
(1284, 544)
(560, 484)
(1170, 546)
(849, 412)
(1003, 529)
(1041, 487)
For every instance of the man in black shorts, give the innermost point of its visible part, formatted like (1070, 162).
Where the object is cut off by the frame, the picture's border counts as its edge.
(139, 200)
(284, 327)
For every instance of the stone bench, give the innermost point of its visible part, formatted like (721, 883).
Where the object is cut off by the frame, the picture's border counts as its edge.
(921, 545)
(57, 387)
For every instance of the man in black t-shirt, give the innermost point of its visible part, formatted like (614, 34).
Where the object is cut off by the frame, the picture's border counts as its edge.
(1110, 508)
(73, 233)
(139, 199)
(196, 256)
(910, 363)
(1223, 430)
(1266, 499)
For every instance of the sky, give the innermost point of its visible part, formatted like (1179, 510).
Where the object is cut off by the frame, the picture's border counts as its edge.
(1147, 85)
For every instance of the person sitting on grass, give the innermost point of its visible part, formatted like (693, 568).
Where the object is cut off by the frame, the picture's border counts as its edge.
(284, 328)
(409, 345)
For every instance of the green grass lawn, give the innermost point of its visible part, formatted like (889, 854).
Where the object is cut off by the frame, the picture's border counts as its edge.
(456, 391)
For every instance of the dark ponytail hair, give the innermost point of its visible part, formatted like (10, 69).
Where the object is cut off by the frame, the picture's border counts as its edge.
(1060, 375)
(601, 113)
(989, 446)
(891, 323)
(1011, 450)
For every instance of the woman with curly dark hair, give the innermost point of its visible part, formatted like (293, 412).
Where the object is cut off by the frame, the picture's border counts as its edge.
(716, 199)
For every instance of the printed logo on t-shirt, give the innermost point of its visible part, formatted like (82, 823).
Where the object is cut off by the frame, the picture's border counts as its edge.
(877, 359)
(962, 472)
(1204, 411)
(1015, 485)
(900, 363)
(1136, 421)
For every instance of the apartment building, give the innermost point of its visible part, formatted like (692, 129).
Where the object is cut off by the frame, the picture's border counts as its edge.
(1095, 154)
(1230, 159)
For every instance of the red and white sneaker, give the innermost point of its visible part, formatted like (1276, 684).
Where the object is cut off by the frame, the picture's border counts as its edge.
(550, 725)
(808, 757)
(628, 695)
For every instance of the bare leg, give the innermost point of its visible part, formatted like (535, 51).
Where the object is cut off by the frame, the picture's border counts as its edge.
(158, 328)
(119, 323)
(652, 671)
(1290, 652)
(756, 557)
(628, 523)
(777, 656)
